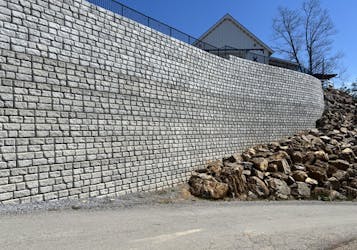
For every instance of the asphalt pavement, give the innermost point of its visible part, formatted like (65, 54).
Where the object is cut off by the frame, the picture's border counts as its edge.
(190, 225)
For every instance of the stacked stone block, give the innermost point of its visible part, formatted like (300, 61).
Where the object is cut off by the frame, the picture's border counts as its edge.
(93, 104)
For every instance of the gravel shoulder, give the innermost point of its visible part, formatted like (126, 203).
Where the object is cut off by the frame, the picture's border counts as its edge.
(179, 194)
(174, 196)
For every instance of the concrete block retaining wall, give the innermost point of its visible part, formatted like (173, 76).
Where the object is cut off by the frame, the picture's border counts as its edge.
(93, 104)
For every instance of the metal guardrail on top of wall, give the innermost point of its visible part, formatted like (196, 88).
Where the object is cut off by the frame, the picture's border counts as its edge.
(139, 17)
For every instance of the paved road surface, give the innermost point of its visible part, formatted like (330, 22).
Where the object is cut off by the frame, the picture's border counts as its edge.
(200, 225)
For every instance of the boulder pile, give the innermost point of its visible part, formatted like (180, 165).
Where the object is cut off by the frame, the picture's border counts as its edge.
(317, 164)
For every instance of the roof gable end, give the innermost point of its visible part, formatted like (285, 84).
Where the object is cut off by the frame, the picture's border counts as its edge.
(228, 17)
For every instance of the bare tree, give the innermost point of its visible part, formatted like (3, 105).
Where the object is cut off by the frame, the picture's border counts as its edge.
(305, 36)
(287, 28)
(318, 29)
(350, 89)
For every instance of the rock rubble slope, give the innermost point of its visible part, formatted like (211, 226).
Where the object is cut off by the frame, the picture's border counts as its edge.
(317, 164)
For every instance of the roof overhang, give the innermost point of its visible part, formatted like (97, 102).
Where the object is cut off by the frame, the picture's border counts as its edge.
(275, 59)
(324, 76)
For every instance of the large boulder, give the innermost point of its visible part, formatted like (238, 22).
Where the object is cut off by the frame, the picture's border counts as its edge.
(351, 192)
(232, 175)
(301, 190)
(279, 188)
(321, 155)
(214, 168)
(299, 175)
(260, 163)
(340, 164)
(206, 186)
(258, 187)
(297, 157)
(317, 173)
(327, 194)
(311, 182)
(348, 155)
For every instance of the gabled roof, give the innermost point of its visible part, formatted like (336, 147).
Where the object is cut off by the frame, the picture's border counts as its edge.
(239, 26)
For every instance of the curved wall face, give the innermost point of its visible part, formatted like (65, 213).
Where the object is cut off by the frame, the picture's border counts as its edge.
(93, 104)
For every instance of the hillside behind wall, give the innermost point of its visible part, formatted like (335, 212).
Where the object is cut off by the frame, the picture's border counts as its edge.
(93, 104)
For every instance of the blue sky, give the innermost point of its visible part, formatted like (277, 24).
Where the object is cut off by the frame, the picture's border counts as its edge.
(196, 16)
